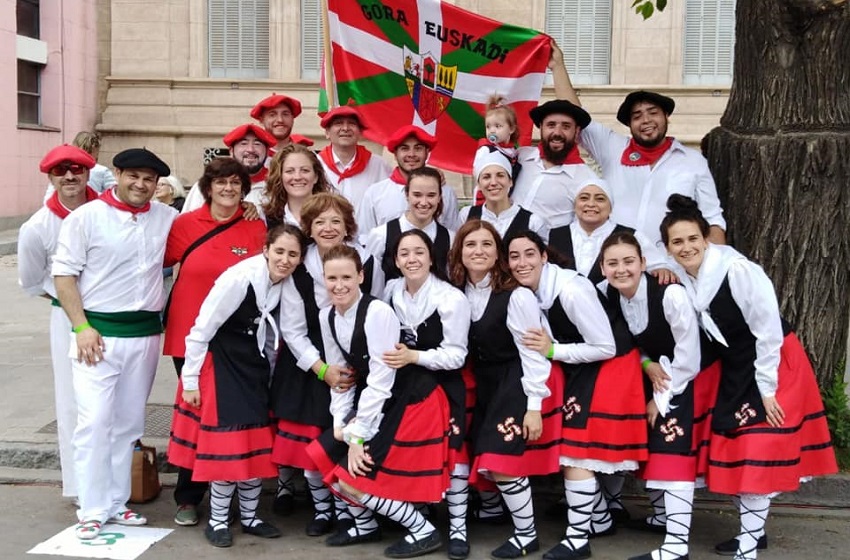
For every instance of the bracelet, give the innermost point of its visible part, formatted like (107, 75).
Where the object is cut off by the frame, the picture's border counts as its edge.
(80, 328)
(322, 371)
(551, 353)
(644, 364)
(353, 439)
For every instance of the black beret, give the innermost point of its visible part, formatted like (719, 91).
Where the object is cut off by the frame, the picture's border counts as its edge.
(140, 158)
(624, 113)
(562, 107)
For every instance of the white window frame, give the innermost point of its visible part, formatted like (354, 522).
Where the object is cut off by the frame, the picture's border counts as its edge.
(238, 39)
(312, 43)
(582, 29)
(708, 50)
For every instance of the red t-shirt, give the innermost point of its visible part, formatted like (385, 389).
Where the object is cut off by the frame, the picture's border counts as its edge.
(203, 266)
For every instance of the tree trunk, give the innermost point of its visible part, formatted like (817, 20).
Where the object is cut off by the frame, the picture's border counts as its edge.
(781, 160)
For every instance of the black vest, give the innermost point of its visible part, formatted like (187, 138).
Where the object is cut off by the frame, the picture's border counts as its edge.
(561, 239)
(490, 340)
(441, 249)
(518, 224)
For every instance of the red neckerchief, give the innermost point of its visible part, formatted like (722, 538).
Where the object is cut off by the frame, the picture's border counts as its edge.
(485, 142)
(573, 157)
(260, 175)
(361, 159)
(397, 177)
(59, 209)
(635, 155)
(109, 197)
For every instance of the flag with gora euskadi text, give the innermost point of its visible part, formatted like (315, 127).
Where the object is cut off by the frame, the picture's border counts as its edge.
(434, 65)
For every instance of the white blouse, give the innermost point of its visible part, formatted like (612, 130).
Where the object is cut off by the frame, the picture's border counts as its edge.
(453, 308)
(523, 315)
(503, 221)
(586, 247)
(313, 263)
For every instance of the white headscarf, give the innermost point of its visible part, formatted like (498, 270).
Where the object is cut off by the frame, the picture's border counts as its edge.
(602, 184)
(485, 158)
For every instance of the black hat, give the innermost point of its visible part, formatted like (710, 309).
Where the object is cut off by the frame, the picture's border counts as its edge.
(559, 106)
(624, 113)
(140, 158)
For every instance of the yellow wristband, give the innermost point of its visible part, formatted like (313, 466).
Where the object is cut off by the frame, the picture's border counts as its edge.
(322, 371)
(80, 328)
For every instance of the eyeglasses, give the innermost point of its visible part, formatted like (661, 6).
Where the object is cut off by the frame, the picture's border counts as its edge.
(63, 168)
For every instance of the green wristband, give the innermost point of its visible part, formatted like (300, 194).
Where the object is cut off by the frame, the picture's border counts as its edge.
(551, 353)
(80, 328)
(322, 371)
(644, 364)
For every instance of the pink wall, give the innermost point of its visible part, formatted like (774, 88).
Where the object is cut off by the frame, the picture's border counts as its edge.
(68, 96)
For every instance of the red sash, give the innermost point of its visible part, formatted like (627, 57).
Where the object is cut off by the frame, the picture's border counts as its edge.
(109, 197)
(59, 209)
(635, 155)
(361, 159)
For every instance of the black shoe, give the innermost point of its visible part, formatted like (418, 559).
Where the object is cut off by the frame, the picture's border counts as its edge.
(612, 530)
(562, 552)
(220, 538)
(620, 516)
(284, 504)
(730, 547)
(343, 538)
(319, 526)
(344, 524)
(648, 556)
(458, 549)
(263, 530)
(642, 525)
(404, 549)
(511, 549)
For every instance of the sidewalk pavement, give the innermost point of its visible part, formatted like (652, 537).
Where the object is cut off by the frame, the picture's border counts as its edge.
(31, 509)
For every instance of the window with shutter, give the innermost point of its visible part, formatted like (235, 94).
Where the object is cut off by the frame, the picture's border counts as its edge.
(238, 38)
(582, 28)
(709, 47)
(311, 39)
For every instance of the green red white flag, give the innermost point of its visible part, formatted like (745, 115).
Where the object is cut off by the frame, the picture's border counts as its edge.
(434, 65)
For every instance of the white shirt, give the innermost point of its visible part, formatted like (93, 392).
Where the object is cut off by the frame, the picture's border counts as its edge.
(313, 264)
(385, 201)
(116, 255)
(580, 303)
(376, 241)
(586, 247)
(382, 330)
(225, 297)
(36, 245)
(753, 291)
(523, 314)
(293, 323)
(503, 221)
(453, 308)
(683, 365)
(641, 192)
(354, 188)
(549, 193)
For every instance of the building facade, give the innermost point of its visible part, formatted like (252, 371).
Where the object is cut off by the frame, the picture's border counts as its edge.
(51, 46)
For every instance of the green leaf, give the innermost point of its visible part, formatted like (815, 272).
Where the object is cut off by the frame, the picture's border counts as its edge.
(646, 10)
(636, 2)
(661, 4)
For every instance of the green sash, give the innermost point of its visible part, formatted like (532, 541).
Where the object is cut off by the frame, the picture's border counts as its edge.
(126, 324)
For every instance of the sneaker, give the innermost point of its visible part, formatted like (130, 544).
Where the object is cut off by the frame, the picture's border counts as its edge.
(87, 530)
(128, 517)
(186, 516)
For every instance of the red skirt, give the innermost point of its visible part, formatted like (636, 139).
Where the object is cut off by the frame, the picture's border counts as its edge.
(687, 466)
(415, 468)
(616, 424)
(759, 459)
(462, 456)
(215, 452)
(290, 444)
(541, 456)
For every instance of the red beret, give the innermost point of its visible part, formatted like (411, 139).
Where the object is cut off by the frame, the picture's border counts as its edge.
(273, 101)
(242, 131)
(344, 111)
(303, 140)
(65, 152)
(406, 132)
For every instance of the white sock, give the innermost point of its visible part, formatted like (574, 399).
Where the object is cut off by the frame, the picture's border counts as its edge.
(403, 513)
(516, 494)
(249, 499)
(457, 499)
(679, 508)
(364, 521)
(581, 495)
(754, 510)
(601, 519)
(659, 514)
(323, 502)
(341, 509)
(284, 481)
(221, 494)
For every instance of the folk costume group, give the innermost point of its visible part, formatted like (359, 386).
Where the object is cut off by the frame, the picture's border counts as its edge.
(401, 353)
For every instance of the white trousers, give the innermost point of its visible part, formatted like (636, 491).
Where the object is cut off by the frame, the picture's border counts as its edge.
(66, 404)
(111, 398)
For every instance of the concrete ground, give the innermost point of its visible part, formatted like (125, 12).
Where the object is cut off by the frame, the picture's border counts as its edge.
(813, 524)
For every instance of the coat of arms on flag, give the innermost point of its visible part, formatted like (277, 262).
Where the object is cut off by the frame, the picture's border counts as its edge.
(430, 84)
(433, 65)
